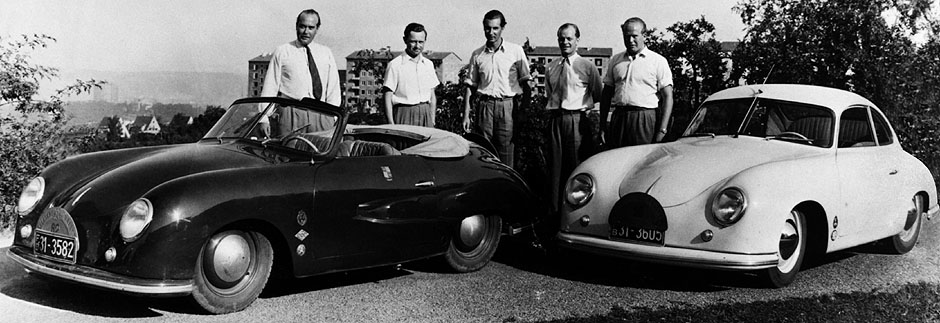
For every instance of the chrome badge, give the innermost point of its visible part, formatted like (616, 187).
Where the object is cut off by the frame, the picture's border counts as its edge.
(387, 172)
(301, 235)
(301, 218)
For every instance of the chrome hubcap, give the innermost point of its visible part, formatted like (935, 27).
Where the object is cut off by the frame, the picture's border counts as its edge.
(789, 243)
(231, 258)
(913, 219)
(471, 231)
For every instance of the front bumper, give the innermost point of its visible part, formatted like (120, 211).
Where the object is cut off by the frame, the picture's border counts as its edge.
(98, 278)
(933, 212)
(667, 255)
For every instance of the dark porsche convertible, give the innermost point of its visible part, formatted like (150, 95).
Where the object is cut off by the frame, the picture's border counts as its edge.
(275, 181)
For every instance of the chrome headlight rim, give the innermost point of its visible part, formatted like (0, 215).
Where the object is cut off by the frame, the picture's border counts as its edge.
(34, 191)
(579, 182)
(737, 203)
(142, 209)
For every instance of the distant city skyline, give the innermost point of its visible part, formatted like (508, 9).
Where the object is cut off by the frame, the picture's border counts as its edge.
(220, 36)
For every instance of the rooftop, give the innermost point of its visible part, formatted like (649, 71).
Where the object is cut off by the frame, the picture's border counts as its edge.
(583, 51)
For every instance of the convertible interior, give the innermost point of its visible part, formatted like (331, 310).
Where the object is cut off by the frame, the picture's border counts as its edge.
(388, 140)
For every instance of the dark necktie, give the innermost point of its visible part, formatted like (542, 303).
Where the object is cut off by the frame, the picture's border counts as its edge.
(314, 74)
(563, 80)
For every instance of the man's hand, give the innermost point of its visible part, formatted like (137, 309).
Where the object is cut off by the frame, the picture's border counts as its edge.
(659, 137)
(466, 124)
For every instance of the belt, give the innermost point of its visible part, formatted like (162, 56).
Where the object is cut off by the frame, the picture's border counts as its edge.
(625, 108)
(561, 112)
(494, 98)
(399, 105)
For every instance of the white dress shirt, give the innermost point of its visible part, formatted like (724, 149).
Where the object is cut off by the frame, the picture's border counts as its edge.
(411, 79)
(289, 75)
(637, 80)
(577, 89)
(498, 73)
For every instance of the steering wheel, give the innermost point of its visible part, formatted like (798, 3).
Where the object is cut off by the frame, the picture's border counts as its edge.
(793, 134)
(302, 139)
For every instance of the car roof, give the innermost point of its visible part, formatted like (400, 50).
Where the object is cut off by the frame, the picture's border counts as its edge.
(835, 99)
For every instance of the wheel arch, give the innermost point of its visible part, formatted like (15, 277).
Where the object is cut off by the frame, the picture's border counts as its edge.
(817, 227)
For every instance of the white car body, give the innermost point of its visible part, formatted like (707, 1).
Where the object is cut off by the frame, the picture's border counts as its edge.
(847, 195)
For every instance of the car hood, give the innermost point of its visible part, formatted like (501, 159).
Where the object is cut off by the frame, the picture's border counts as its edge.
(676, 172)
(123, 176)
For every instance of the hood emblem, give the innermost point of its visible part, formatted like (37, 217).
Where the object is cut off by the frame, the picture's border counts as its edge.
(301, 218)
(301, 235)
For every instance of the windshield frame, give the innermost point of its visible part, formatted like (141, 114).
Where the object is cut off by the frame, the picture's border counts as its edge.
(753, 103)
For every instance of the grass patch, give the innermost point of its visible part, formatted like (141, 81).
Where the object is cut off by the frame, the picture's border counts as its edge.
(912, 303)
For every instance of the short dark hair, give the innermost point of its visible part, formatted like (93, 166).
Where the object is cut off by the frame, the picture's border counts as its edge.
(415, 28)
(633, 20)
(493, 14)
(309, 12)
(577, 32)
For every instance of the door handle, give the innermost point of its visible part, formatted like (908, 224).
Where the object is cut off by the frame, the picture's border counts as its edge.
(893, 171)
(424, 184)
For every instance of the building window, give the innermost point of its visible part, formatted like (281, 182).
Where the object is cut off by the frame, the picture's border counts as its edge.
(598, 62)
(549, 60)
(542, 60)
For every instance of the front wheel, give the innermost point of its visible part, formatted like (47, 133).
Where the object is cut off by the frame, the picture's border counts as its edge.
(231, 271)
(790, 252)
(474, 243)
(904, 241)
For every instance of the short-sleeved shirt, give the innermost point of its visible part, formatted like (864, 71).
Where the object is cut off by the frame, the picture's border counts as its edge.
(499, 72)
(411, 79)
(581, 83)
(289, 73)
(637, 80)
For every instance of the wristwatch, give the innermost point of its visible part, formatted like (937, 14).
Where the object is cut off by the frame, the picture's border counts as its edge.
(663, 131)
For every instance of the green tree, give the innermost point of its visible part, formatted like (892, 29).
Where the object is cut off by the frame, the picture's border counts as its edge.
(32, 137)
(849, 45)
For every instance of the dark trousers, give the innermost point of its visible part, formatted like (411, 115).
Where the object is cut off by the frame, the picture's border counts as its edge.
(631, 127)
(569, 143)
(494, 122)
(418, 114)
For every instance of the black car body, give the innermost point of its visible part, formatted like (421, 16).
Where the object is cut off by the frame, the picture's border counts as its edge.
(314, 194)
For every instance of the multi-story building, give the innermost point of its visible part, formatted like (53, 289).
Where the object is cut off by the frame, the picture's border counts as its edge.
(365, 69)
(541, 56)
(257, 67)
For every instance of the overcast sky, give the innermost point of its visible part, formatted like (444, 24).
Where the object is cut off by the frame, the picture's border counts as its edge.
(222, 35)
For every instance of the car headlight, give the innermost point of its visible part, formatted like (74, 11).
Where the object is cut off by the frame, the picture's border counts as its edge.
(728, 206)
(579, 190)
(31, 195)
(135, 219)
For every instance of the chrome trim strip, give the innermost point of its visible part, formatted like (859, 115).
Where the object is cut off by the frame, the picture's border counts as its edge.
(668, 255)
(99, 278)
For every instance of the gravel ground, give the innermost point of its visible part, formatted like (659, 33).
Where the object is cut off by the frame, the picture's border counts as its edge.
(519, 285)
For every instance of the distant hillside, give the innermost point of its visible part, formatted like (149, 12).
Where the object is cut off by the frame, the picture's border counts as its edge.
(196, 88)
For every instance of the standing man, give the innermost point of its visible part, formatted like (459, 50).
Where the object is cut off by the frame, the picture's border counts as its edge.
(301, 69)
(410, 81)
(500, 72)
(637, 84)
(572, 85)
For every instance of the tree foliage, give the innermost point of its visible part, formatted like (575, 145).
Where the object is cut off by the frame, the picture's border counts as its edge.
(33, 136)
(850, 45)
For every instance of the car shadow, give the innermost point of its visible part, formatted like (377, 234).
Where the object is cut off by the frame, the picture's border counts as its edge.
(283, 285)
(520, 253)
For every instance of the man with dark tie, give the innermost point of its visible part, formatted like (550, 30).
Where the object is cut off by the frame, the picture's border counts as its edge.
(573, 86)
(302, 69)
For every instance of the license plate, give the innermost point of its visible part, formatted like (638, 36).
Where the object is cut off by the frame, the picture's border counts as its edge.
(55, 246)
(652, 236)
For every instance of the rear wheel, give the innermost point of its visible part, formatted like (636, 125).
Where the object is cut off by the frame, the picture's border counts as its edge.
(903, 242)
(474, 243)
(231, 271)
(790, 251)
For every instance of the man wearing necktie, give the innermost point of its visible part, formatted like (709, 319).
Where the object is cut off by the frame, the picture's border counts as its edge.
(303, 69)
(573, 86)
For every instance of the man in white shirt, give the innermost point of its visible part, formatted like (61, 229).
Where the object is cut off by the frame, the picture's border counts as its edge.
(302, 69)
(410, 81)
(637, 84)
(572, 85)
(499, 70)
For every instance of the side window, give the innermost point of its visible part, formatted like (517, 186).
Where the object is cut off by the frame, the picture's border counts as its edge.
(882, 130)
(854, 128)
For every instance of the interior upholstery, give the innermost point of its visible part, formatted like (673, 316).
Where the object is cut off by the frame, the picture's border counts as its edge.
(321, 142)
(855, 133)
(357, 148)
(816, 128)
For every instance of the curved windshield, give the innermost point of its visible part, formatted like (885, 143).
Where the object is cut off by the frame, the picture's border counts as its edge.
(286, 125)
(771, 119)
